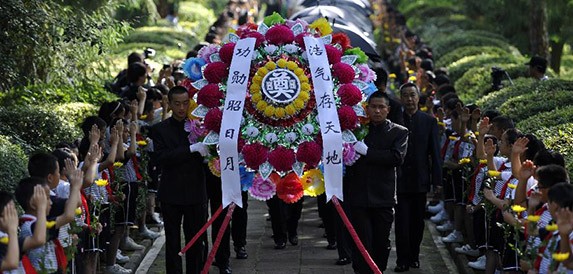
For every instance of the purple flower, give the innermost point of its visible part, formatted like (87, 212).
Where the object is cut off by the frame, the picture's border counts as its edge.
(262, 189)
(366, 74)
(349, 155)
(207, 51)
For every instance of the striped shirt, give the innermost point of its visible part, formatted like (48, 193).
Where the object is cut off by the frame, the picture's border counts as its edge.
(547, 260)
(44, 256)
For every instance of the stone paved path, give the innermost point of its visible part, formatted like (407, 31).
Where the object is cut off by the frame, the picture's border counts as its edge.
(310, 256)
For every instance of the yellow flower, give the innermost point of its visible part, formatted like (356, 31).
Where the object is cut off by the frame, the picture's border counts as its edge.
(387, 39)
(50, 224)
(101, 182)
(560, 257)
(493, 173)
(290, 110)
(483, 161)
(533, 218)
(255, 87)
(453, 138)
(412, 78)
(79, 211)
(282, 63)
(322, 25)
(117, 164)
(304, 95)
(424, 109)
(392, 75)
(476, 133)
(512, 186)
(305, 87)
(271, 65)
(517, 208)
(231, 30)
(258, 79)
(257, 97)
(298, 103)
(262, 105)
(143, 117)
(467, 135)
(269, 111)
(313, 182)
(4, 240)
(551, 227)
(142, 143)
(464, 161)
(442, 124)
(192, 106)
(292, 65)
(280, 112)
(300, 73)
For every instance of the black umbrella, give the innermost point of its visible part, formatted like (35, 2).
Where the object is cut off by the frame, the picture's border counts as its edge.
(335, 14)
(359, 39)
(360, 6)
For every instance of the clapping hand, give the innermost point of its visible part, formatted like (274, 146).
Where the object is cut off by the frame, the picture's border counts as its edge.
(489, 147)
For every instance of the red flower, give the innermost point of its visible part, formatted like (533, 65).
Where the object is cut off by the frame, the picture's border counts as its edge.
(299, 39)
(349, 94)
(279, 35)
(186, 83)
(248, 27)
(226, 52)
(255, 154)
(333, 54)
(290, 189)
(348, 118)
(341, 39)
(213, 119)
(282, 158)
(344, 72)
(254, 34)
(215, 72)
(309, 153)
(210, 96)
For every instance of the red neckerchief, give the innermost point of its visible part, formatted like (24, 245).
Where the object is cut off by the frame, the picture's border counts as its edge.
(445, 147)
(455, 154)
(61, 258)
(27, 265)
(473, 182)
(136, 167)
(538, 212)
(537, 263)
(504, 188)
(85, 207)
(107, 177)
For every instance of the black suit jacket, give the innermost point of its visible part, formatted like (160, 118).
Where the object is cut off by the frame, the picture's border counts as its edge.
(371, 181)
(182, 173)
(423, 164)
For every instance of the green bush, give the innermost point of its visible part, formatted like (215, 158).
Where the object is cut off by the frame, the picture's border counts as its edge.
(168, 36)
(547, 119)
(74, 113)
(13, 164)
(462, 52)
(42, 93)
(494, 100)
(39, 127)
(138, 13)
(522, 107)
(439, 27)
(458, 68)
(452, 42)
(199, 18)
(558, 138)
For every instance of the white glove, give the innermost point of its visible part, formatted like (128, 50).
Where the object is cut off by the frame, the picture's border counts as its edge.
(361, 148)
(201, 148)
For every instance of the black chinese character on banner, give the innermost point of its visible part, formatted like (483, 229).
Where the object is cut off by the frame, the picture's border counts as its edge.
(325, 101)
(333, 158)
(230, 164)
(229, 133)
(243, 52)
(330, 127)
(315, 50)
(234, 105)
(238, 78)
(319, 73)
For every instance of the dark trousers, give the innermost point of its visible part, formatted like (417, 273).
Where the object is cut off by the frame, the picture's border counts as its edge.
(373, 227)
(344, 242)
(194, 217)
(409, 227)
(284, 218)
(479, 227)
(327, 214)
(240, 219)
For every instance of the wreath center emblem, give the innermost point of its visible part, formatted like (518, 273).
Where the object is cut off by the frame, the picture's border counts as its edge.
(281, 86)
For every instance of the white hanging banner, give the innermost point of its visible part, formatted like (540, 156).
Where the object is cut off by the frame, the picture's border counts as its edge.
(230, 125)
(327, 117)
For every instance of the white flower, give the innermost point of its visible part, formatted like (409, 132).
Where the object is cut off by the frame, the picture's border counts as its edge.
(271, 49)
(291, 137)
(290, 48)
(271, 138)
(308, 129)
(252, 131)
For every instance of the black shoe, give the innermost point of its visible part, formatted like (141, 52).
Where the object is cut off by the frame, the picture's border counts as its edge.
(415, 264)
(225, 270)
(401, 268)
(331, 246)
(293, 240)
(241, 252)
(343, 261)
(281, 245)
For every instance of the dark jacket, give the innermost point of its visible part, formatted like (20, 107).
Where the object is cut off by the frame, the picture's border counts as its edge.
(371, 181)
(182, 173)
(423, 164)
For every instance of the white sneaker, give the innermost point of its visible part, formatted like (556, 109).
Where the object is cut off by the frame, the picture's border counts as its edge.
(130, 245)
(454, 237)
(148, 234)
(120, 258)
(440, 217)
(436, 208)
(445, 227)
(479, 264)
(467, 250)
(117, 269)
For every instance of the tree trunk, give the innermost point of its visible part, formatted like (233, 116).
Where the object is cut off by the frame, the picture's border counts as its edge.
(556, 54)
(538, 36)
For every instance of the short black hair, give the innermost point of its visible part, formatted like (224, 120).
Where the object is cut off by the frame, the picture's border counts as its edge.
(42, 164)
(443, 90)
(549, 175)
(90, 121)
(512, 135)
(5, 198)
(134, 57)
(107, 109)
(176, 90)
(135, 71)
(503, 122)
(381, 77)
(452, 103)
(380, 94)
(162, 88)
(409, 85)
(25, 190)
(441, 79)
(562, 195)
(547, 157)
(533, 147)
(491, 114)
(62, 154)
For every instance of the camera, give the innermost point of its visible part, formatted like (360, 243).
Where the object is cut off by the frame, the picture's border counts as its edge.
(497, 74)
(148, 52)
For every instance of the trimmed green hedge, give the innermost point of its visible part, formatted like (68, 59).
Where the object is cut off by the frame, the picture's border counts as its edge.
(558, 138)
(462, 52)
(46, 93)
(461, 39)
(524, 106)
(168, 36)
(495, 99)
(13, 164)
(75, 113)
(458, 68)
(38, 128)
(547, 119)
(196, 17)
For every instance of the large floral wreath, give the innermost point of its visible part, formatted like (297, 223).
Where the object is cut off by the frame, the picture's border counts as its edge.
(280, 134)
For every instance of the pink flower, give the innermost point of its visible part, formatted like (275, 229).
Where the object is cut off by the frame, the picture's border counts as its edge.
(262, 189)
(349, 155)
(205, 52)
(279, 35)
(291, 23)
(366, 74)
(344, 72)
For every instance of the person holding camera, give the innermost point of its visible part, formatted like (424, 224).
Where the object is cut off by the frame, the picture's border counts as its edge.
(537, 68)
